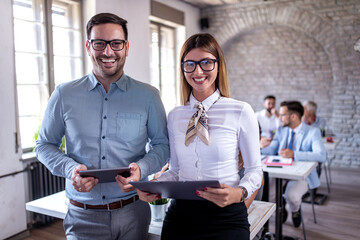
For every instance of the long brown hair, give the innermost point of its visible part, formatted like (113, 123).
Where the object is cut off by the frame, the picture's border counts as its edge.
(209, 44)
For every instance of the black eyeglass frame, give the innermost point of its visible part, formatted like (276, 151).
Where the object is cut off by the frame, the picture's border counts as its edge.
(198, 63)
(108, 42)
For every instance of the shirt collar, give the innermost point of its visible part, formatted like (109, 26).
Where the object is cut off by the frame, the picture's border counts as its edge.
(121, 83)
(93, 82)
(297, 129)
(207, 103)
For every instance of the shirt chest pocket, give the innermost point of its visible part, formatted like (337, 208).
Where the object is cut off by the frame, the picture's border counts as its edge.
(128, 126)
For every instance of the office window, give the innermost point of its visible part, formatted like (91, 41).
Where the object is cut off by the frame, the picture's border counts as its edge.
(163, 68)
(48, 51)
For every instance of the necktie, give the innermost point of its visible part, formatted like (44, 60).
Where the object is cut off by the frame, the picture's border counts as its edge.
(198, 126)
(291, 142)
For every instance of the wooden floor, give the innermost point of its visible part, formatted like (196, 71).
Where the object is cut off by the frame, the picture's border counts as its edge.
(54, 231)
(338, 218)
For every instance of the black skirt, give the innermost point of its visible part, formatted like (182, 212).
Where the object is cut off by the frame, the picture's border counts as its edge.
(191, 219)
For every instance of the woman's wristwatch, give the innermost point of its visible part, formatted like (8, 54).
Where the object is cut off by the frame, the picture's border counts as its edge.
(244, 193)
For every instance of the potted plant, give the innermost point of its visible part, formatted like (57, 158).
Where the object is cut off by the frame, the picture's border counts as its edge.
(158, 209)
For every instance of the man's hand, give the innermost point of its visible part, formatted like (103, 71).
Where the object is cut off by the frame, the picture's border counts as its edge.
(223, 196)
(275, 112)
(124, 183)
(286, 153)
(264, 142)
(82, 184)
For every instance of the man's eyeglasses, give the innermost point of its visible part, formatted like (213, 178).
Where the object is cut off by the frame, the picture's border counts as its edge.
(206, 65)
(285, 114)
(100, 45)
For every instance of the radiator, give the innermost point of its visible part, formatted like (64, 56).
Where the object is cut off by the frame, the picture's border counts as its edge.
(43, 183)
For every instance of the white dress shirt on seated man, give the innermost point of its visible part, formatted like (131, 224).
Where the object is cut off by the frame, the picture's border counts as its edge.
(268, 125)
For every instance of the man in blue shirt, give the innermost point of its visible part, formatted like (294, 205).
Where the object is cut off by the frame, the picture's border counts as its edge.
(107, 119)
(302, 143)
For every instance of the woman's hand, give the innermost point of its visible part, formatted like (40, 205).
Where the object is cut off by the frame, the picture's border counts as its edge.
(163, 169)
(223, 196)
(148, 197)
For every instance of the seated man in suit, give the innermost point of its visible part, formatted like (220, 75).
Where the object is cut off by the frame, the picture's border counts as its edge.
(310, 117)
(302, 143)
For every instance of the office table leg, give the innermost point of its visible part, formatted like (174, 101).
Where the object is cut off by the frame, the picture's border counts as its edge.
(279, 209)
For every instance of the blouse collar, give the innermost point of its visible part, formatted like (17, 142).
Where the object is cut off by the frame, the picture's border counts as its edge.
(207, 103)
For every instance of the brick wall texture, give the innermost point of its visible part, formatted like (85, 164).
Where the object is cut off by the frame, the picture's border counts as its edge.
(300, 50)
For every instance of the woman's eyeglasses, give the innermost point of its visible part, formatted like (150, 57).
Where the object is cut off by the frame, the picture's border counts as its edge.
(206, 65)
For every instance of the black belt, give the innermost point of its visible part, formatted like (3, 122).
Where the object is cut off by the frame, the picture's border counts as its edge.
(109, 206)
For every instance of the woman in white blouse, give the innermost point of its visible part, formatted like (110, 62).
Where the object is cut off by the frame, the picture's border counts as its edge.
(208, 147)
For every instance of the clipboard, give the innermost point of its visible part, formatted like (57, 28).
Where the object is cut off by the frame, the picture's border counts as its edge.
(106, 175)
(178, 190)
(278, 161)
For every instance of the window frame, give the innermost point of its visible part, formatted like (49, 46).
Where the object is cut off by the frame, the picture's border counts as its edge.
(49, 40)
(49, 69)
(160, 25)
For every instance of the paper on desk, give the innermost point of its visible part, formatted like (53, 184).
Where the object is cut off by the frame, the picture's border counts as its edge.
(278, 161)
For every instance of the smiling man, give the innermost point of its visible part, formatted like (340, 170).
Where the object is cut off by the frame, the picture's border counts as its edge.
(107, 119)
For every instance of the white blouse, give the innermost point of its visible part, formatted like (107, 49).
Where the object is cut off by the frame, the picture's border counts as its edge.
(232, 128)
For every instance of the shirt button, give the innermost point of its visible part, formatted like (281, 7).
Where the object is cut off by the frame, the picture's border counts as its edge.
(103, 137)
(103, 158)
(106, 99)
(103, 197)
(105, 117)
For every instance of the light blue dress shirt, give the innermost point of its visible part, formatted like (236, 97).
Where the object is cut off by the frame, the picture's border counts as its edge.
(308, 146)
(103, 130)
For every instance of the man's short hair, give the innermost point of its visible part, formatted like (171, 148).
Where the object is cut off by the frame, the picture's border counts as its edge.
(293, 107)
(103, 18)
(310, 106)
(269, 97)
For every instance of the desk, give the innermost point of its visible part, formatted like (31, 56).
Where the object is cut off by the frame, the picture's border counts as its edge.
(56, 205)
(258, 214)
(330, 146)
(297, 171)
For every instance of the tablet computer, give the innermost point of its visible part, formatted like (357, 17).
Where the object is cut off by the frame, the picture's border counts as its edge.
(106, 175)
(176, 190)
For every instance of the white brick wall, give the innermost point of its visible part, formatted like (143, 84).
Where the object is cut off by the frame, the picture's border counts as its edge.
(301, 50)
